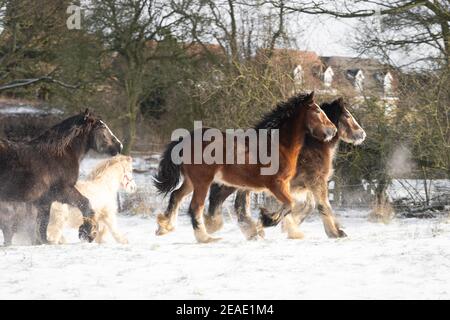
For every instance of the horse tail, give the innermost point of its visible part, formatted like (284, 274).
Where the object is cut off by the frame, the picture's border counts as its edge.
(169, 173)
(269, 219)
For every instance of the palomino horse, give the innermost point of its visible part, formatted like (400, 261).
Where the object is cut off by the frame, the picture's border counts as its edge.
(100, 187)
(314, 168)
(292, 119)
(46, 168)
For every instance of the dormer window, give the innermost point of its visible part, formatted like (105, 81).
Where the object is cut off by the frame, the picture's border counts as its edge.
(298, 75)
(328, 77)
(359, 81)
(387, 84)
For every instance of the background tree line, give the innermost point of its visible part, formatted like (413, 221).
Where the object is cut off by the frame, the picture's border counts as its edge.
(150, 66)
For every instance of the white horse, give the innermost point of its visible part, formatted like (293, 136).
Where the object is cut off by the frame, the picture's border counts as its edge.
(100, 187)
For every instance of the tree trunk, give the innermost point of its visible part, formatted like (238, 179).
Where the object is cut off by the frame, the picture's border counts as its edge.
(133, 88)
(131, 134)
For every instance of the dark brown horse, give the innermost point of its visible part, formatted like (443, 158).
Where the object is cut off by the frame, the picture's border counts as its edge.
(46, 168)
(314, 168)
(292, 119)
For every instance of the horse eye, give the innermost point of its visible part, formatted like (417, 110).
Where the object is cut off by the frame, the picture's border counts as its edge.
(317, 110)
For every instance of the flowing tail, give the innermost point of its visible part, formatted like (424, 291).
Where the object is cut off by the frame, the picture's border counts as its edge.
(169, 173)
(269, 219)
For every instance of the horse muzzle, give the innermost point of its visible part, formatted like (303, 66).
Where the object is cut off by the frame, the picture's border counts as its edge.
(359, 137)
(115, 149)
(329, 134)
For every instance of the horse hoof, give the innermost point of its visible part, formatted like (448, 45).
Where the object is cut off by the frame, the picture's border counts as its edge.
(260, 230)
(209, 240)
(255, 237)
(203, 237)
(213, 224)
(124, 241)
(342, 234)
(164, 225)
(296, 235)
(162, 231)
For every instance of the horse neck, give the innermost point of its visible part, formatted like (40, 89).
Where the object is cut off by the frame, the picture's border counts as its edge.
(78, 147)
(111, 177)
(292, 135)
(326, 149)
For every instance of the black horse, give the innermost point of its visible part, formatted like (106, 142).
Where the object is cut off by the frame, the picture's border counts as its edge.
(45, 169)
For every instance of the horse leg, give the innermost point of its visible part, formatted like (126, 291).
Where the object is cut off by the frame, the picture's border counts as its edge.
(281, 192)
(70, 195)
(217, 196)
(301, 210)
(167, 220)
(249, 228)
(8, 233)
(58, 214)
(31, 223)
(332, 228)
(102, 231)
(42, 220)
(196, 212)
(110, 221)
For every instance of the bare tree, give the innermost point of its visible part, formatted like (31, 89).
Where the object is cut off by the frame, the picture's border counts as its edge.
(132, 29)
(405, 24)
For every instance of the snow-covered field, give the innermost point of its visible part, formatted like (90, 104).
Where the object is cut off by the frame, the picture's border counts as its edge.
(408, 258)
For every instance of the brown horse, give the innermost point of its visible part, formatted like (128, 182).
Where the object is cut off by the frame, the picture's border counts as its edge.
(46, 169)
(314, 168)
(292, 119)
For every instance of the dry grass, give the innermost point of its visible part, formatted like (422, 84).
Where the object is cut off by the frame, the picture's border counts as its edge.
(382, 212)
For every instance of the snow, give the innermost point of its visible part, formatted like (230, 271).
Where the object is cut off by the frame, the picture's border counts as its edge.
(28, 110)
(406, 259)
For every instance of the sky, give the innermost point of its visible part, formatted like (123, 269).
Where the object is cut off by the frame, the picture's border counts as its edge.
(327, 36)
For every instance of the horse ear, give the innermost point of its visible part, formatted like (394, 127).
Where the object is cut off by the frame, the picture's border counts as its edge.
(87, 113)
(310, 97)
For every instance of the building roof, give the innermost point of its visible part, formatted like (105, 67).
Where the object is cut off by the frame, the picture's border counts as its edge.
(346, 69)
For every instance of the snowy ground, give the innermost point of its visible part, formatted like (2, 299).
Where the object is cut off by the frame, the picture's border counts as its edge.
(408, 258)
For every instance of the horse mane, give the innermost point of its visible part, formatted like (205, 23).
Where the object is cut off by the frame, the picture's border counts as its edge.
(333, 110)
(56, 139)
(282, 112)
(100, 169)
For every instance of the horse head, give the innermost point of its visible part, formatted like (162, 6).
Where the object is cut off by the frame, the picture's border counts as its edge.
(317, 122)
(348, 128)
(128, 183)
(101, 138)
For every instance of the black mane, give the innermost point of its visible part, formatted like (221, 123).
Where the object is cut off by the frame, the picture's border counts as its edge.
(282, 112)
(57, 138)
(333, 110)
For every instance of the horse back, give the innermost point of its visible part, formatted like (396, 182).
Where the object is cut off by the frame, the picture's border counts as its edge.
(27, 173)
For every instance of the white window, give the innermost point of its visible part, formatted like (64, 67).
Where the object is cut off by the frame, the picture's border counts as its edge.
(387, 84)
(328, 77)
(359, 81)
(298, 75)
